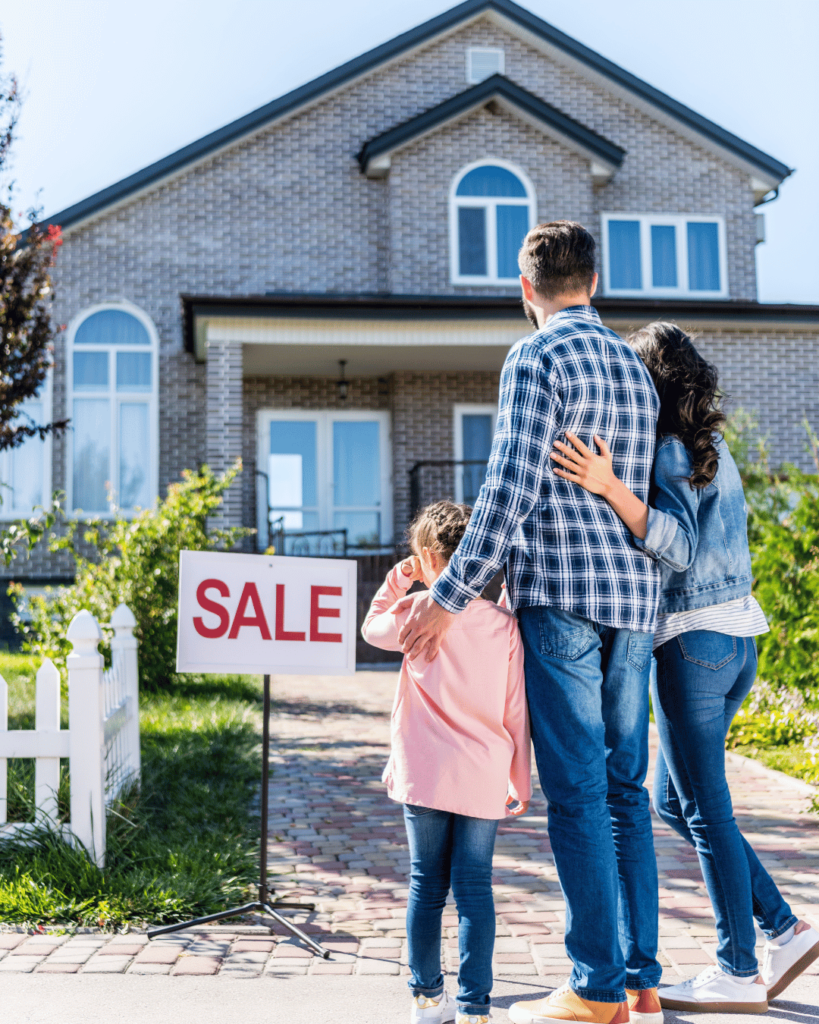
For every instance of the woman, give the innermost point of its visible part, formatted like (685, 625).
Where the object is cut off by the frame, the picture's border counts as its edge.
(706, 664)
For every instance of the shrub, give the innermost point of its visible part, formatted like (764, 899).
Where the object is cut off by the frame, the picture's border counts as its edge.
(135, 561)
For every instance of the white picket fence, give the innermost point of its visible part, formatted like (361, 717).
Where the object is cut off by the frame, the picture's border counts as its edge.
(102, 738)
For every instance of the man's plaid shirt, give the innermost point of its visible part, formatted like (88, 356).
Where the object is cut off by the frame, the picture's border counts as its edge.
(563, 546)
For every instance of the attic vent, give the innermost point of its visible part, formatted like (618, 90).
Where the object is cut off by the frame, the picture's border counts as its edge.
(481, 62)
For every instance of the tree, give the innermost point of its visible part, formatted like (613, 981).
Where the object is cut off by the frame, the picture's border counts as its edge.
(26, 330)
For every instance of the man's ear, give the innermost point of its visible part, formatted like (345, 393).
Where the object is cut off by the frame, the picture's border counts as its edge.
(594, 284)
(528, 290)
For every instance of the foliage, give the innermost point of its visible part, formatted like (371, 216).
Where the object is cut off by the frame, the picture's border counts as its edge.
(185, 845)
(135, 561)
(26, 331)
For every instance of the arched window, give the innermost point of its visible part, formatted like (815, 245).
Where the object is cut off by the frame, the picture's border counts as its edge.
(112, 387)
(492, 206)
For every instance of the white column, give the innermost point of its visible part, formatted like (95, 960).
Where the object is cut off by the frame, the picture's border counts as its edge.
(124, 646)
(4, 724)
(86, 722)
(47, 720)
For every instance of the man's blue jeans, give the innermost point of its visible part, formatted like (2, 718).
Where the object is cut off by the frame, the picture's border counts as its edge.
(451, 850)
(702, 679)
(587, 687)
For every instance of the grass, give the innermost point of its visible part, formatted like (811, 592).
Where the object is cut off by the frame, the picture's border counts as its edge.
(183, 845)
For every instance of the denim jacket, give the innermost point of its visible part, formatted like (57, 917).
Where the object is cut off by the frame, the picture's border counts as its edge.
(698, 535)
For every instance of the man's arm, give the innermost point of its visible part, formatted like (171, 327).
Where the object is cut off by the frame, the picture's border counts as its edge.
(527, 424)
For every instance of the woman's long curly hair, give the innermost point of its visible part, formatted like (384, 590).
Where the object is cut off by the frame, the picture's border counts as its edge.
(689, 392)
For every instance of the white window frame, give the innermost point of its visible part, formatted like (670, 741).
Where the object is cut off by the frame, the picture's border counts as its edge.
(116, 398)
(490, 204)
(459, 410)
(8, 511)
(325, 485)
(472, 50)
(680, 222)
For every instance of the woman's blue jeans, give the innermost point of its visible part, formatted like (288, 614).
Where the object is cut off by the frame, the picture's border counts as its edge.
(451, 850)
(702, 679)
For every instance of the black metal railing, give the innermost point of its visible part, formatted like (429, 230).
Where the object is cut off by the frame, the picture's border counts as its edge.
(436, 479)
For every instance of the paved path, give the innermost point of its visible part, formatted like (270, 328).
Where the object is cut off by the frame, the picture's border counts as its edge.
(335, 839)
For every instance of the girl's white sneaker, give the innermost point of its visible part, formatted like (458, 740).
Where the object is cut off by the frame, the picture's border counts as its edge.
(433, 1011)
(783, 964)
(465, 1018)
(714, 991)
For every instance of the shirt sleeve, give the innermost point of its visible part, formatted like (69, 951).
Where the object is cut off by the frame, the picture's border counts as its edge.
(516, 723)
(381, 627)
(672, 532)
(529, 414)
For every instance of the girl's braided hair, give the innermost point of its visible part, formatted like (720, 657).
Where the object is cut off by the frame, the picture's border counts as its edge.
(689, 392)
(439, 527)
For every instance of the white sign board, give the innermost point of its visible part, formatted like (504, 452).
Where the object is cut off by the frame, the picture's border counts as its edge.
(266, 614)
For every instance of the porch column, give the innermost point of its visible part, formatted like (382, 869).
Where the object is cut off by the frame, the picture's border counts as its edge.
(224, 422)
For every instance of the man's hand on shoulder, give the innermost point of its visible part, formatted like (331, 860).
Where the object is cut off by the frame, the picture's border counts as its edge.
(426, 625)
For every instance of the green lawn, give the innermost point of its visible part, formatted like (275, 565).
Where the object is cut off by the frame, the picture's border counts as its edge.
(185, 845)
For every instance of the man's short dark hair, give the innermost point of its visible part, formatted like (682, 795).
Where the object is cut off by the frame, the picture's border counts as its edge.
(558, 258)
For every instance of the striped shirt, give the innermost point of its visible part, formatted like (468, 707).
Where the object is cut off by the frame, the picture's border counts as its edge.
(563, 546)
(742, 617)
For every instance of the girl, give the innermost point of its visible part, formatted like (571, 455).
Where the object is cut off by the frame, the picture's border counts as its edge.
(706, 664)
(460, 755)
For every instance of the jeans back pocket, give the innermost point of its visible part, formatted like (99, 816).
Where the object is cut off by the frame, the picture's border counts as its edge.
(639, 649)
(708, 649)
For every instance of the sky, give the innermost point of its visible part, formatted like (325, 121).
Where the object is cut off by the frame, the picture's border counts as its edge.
(111, 86)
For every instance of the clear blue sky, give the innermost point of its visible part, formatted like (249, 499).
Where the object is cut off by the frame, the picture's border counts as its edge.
(113, 86)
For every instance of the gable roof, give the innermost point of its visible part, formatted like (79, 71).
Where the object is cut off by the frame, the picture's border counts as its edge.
(606, 157)
(768, 171)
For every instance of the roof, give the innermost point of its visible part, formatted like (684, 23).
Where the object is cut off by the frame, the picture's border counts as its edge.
(482, 307)
(506, 13)
(374, 156)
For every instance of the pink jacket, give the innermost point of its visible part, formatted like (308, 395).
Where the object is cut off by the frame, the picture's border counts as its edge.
(460, 726)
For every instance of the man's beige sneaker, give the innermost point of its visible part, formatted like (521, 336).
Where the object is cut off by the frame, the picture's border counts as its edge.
(644, 1006)
(565, 1004)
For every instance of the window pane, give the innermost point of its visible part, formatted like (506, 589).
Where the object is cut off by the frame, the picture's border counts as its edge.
(513, 223)
(703, 257)
(92, 443)
(362, 527)
(492, 181)
(664, 256)
(625, 266)
(26, 465)
(356, 463)
(294, 438)
(472, 240)
(90, 371)
(134, 456)
(111, 327)
(294, 520)
(476, 429)
(133, 371)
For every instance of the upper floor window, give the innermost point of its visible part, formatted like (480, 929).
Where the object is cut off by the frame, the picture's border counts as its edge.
(651, 254)
(492, 206)
(25, 472)
(112, 387)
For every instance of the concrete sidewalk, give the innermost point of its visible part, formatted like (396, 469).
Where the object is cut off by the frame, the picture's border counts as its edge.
(336, 840)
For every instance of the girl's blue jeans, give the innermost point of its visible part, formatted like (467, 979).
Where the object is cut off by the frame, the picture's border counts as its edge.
(451, 851)
(702, 679)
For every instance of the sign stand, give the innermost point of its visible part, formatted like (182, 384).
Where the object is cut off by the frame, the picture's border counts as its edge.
(262, 904)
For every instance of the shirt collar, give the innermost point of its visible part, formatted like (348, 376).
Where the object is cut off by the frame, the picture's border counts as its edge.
(586, 313)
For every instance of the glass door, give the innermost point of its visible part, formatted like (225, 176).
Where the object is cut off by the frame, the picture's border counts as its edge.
(474, 429)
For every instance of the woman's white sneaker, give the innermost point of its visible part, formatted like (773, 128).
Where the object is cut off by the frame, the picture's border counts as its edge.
(433, 1011)
(783, 964)
(714, 991)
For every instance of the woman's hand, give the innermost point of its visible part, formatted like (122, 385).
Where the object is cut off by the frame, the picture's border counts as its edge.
(593, 472)
(520, 807)
(412, 567)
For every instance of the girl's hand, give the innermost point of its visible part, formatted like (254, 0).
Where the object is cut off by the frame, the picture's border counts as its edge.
(412, 567)
(593, 472)
(522, 806)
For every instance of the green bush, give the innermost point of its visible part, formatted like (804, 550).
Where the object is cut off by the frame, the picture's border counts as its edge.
(135, 561)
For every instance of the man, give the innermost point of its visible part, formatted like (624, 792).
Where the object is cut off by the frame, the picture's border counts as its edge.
(586, 599)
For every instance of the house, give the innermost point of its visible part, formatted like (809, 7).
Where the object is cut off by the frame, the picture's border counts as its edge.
(327, 287)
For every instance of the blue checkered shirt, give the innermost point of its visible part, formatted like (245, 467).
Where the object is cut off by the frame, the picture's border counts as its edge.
(563, 546)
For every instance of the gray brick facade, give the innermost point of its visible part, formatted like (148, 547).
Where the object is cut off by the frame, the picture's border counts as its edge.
(288, 210)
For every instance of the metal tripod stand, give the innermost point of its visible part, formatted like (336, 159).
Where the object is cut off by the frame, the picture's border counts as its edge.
(263, 904)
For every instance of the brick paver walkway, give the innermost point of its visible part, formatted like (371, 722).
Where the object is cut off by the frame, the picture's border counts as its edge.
(336, 839)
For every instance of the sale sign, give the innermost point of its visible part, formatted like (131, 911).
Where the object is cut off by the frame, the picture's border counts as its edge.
(266, 614)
